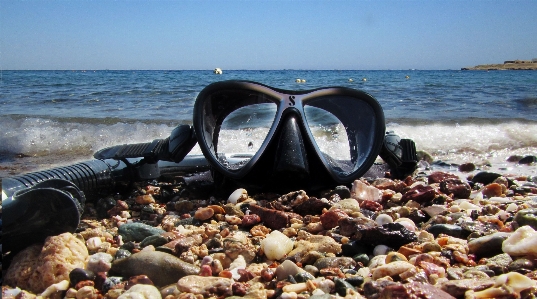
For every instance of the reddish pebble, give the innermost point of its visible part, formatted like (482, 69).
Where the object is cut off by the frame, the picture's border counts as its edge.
(420, 194)
(245, 275)
(492, 190)
(138, 279)
(371, 205)
(203, 213)
(267, 274)
(330, 219)
(205, 270)
(226, 274)
(439, 176)
(250, 220)
(84, 283)
(239, 289)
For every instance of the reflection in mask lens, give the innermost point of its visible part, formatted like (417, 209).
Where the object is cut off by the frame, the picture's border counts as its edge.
(243, 132)
(330, 136)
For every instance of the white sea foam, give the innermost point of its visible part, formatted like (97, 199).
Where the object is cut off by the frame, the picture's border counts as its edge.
(477, 143)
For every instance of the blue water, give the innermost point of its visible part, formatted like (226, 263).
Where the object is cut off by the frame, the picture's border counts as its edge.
(55, 116)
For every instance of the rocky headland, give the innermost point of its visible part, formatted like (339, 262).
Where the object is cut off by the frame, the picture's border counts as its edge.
(507, 65)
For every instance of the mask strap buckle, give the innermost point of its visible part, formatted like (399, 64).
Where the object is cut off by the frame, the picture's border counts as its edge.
(400, 154)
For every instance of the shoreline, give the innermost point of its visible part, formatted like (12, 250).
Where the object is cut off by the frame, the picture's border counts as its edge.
(511, 66)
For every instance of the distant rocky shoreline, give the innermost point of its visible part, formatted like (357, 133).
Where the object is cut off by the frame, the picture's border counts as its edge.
(507, 65)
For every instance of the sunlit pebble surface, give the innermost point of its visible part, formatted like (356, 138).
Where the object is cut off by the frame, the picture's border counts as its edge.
(432, 235)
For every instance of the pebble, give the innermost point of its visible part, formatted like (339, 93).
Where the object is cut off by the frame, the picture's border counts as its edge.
(527, 217)
(383, 219)
(141, 291)
(205, 286)
(287, 268)
(391, 269)
(137, 232)
(99, 262)
(489, 245)
(522, 242)
(162, 268)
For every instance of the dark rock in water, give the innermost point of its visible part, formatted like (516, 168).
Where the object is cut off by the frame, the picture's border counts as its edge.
(528, 160)
(138, 231)
(342, 286)
(393, 235)
(414, 290)
(467, 167)
(156, 240)
(439, 176)
(527, 217)
(485, 177)
(161, 268)
(79, 274)
(342, 191)
(448, 229)
(487, 246)
(335, 262)
(514, 158)
(420, 194)
(458, 188)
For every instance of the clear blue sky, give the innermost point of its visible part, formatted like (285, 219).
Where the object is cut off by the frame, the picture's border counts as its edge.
(431, 34)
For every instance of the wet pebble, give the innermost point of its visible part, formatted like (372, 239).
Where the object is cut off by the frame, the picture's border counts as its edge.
(205, 286)
(78, 274)
(99, 262)
(527, 217)
(335, 262)
(489, 245)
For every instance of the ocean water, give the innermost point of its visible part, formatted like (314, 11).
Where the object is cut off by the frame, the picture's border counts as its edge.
(52, 118)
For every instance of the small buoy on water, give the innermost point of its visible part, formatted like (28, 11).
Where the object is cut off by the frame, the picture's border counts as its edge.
(218, 71)
(297, 80)
(300, 80)
(303, 81)
(407, 77)
(364, 79)
(350, 80)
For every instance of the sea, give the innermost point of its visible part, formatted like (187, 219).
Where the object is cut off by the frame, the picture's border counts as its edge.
(56, 118)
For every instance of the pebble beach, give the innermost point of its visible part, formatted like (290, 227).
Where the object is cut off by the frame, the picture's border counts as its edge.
(434, 234)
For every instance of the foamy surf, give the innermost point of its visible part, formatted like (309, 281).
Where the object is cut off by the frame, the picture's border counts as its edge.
(33, 143)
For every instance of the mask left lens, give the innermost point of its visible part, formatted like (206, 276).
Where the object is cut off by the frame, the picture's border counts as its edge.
(243, 132)
(233, 124)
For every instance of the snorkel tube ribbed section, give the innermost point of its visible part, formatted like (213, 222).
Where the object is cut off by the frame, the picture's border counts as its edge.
(88, 176)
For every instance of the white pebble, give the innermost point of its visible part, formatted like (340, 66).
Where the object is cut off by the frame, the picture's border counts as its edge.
(522, 242)
(236, 195)
(141, 291)
(383, 219)
(276, 245)
(287, 268)
(380, 250)
(290, 295)
(100, 262)
(407, 223)
(94, 243)
(60, 286)
(512, 207)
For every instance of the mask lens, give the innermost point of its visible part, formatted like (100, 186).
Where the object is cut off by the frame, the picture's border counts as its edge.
(242, 133)
(343, 129)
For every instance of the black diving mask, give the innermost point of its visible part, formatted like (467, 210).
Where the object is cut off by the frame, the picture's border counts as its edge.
(262, 136)
(265, 138)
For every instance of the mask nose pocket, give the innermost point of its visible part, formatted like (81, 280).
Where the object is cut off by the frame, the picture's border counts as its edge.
(291, 160)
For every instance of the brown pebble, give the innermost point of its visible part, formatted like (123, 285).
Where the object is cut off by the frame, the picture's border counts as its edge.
(492, 190)
(467, 167)
(84, 283)
(203, 213)
(138, 279)
(330, 219)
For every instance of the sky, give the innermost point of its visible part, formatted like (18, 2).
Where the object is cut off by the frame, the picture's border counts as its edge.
(258, 34)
